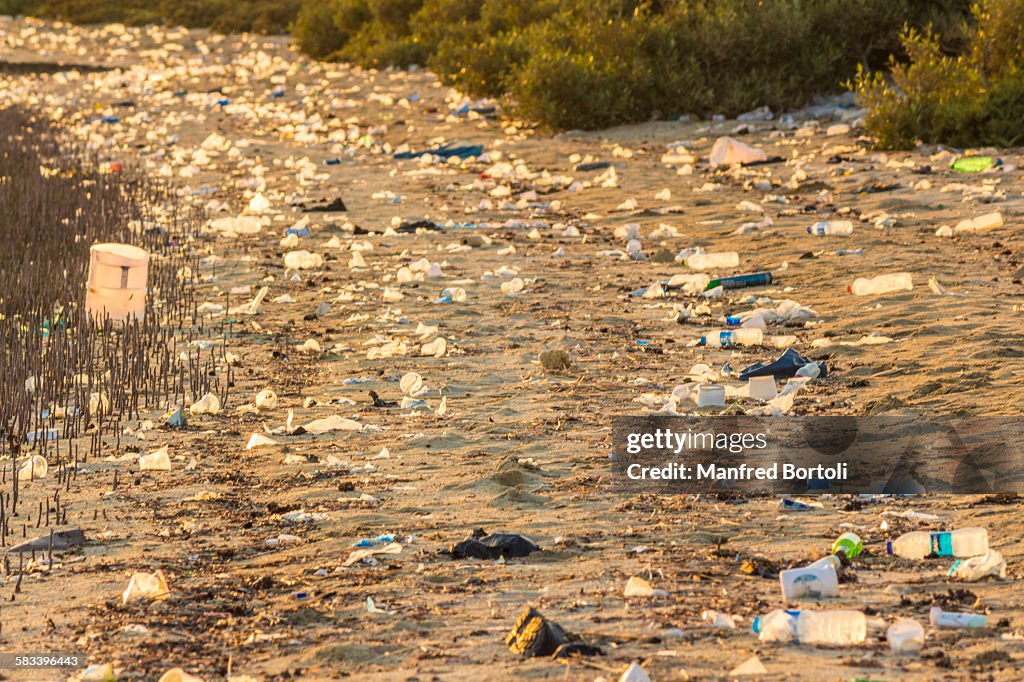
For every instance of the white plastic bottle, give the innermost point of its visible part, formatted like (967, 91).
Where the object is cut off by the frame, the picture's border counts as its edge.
(830, 628)
(899, 281)
(733, 337)
(966, 542)
(831, 228)
(707, 261)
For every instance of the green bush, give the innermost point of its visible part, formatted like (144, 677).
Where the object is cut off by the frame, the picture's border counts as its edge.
(973, 98)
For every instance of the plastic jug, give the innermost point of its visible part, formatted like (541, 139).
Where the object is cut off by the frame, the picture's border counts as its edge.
(118, 274)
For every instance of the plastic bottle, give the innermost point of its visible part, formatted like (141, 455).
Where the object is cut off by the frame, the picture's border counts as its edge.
(831, 228)
(862, 286)
(708, 261)
(948, 619)
(734, 337)
(838, 628)
(849, 545)
(966, 542)
(811, 582)
(905, 636)
(757, 279)
(689, 282)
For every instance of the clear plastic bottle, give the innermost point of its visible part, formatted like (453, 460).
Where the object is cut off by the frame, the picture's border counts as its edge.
(831, 228)
(831, 628)
(734, 337)
(966, 542)
(899, 281)
(708, 261)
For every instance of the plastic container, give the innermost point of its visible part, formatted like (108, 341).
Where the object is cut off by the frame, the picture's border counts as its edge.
(710, 395)
(708, 261)
(883, 284)
(811, 582)
(989, 564)
(905, 636)
(829, 628)
(948, 619)
(831, 228)
(118, 275)
(966, 542)
(734, 337)
(849, 545)
(756, 279)
(762, 388)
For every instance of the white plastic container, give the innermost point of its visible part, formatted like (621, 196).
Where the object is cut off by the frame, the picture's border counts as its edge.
(118, 276)
(708, 261)
(948, 619)
(762, 388)
(710, 395)
(883, 284)
(810, 582)
(905, 636)
(966, 542)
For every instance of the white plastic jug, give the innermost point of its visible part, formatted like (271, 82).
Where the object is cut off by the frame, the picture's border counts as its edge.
(118, 274)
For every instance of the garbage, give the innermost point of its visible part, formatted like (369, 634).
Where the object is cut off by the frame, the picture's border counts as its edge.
(849, 545)
(117, 284)
(762, 388)
(35, 467)
(176, 418)
(178, 675)
(334, 206)
(61, 539)
(98, 672)
(757, 279)
(966, 542)
(208, 404)
(831, 228)
(145, 587)
(881, 284)
(638, 587)
(829, 628)
(787, 504)
(735, 337)
(710, 395)
(258, 440)
(751, 666)
(812, 582)
(905, 636)
(365, 553)
(975, 164)
(634, 673)
(303, 260)
(534, 635)
(332, 423)
(385, 539)
(718, 620)
(989, 564)
(493, 546)
(785, 366)
(989, 221)
(728, 151)
(949, 619)
(711, 261)
(155, 461)
(266, 399)
(446, 151)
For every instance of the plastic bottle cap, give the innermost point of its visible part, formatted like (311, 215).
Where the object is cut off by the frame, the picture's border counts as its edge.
(756, 626)
(888, 547)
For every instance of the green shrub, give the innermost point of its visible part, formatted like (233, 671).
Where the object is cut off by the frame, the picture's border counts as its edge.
(974, 98)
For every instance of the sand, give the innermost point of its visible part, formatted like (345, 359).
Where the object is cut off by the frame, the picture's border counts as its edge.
(520, 448)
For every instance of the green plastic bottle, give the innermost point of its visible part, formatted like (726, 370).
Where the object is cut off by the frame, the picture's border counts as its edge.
(849, 545)
(973, 164)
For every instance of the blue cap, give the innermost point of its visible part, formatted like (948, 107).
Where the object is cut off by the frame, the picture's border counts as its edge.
(888, 547)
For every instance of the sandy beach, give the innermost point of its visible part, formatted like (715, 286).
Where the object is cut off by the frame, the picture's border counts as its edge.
(501, 442)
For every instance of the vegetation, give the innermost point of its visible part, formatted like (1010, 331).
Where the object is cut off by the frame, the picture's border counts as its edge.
(975, 97)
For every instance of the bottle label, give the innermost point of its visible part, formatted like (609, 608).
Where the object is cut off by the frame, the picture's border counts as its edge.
(942, 544)
(725, 338)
